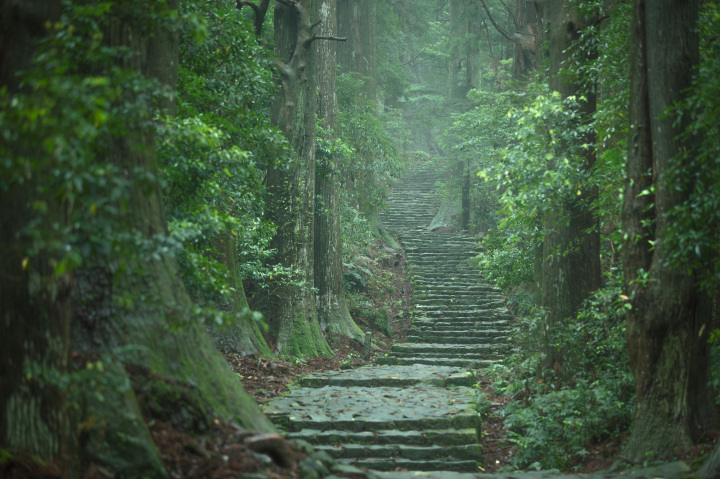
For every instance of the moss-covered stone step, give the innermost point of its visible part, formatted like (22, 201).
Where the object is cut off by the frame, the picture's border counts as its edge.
(428, 437)
(461, 323)
(439, 350)
(466, 452)
(470, 363)
(477, 302)
(443, 289)
(393, 464)
(458, 337)
(394, 377)
(374, 408)
(485, 316)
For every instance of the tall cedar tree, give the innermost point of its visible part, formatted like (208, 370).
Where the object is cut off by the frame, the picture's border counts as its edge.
(332, 309)
(291, 191)
(570, 264)
(35, 302)
(668, 325)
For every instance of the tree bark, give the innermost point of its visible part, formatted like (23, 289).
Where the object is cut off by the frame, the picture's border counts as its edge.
(332, 309)
(34, 301)
(571, 245)
(667, 327)
(243, 336)
(291, 191)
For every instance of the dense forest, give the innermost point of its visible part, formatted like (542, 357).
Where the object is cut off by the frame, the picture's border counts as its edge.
(181, 180)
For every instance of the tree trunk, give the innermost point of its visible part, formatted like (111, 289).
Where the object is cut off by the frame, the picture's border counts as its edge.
(243, 336)
(291, 191)
(571, 245)
(34, 301)
(668, 325)
(332, 310)
(455, 36)
(357, 21)
(154, 328)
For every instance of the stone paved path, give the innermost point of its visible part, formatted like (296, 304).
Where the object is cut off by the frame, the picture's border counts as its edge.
(413, 415)
(415, 410)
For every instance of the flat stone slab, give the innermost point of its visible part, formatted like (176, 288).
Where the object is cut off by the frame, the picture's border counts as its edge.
(673, 470)
(395, 376)
(359, 409)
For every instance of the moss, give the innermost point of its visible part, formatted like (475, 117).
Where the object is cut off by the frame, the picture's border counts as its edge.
(167, 400)
(113, 432)
(307, 339)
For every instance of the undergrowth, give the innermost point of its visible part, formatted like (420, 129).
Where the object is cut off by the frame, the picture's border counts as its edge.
(554, 416)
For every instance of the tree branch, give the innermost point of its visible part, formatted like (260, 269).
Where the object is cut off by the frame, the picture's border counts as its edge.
(323, 37)
(414, 58)
(500, 29)
(259, 12)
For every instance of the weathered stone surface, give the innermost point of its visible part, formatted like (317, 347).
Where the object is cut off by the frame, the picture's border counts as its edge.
(398, 376)
(371, 409)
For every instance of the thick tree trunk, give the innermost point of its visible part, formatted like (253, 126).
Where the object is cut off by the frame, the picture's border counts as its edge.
(356, 20)
(667, 327)
(332, 310)
(571, 246)
(291, 191)
(34, 301)
(154, 328)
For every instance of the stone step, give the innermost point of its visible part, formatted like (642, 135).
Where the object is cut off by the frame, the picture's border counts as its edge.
(394, 464)
(455, 362)
(483, 309)
(458, 337)
(477, 350)
(360, 409)
(427, 437)
(460, 326)
(477, 301)
(465, 452)
(401, 376)
(500, 315)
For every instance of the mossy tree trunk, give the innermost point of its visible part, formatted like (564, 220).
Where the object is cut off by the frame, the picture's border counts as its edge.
(243, 336)
(332, 309)
(571, 245)
(154, 327)
(34, 301)
(291, 191)
(667, 327)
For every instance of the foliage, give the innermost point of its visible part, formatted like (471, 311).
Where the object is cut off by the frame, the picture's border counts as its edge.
(693, 234)
(370, 158)
(553, 419)
(214, 153)
(73, 100)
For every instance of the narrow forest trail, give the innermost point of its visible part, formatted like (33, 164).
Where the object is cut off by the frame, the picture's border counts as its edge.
(416, 408)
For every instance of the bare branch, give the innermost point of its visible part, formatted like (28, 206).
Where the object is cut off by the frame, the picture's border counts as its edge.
(312, 27)
(510, 13)
(323, 37)
(500, 29)
(414, 58)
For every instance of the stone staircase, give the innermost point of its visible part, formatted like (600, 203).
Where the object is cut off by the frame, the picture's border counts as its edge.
(416, 409)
